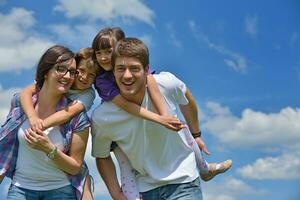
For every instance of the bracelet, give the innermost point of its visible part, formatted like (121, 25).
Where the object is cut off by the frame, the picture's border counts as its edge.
(196, 135)
(52, 153)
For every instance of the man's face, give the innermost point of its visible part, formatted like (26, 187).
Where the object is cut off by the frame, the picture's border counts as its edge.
(130, 77)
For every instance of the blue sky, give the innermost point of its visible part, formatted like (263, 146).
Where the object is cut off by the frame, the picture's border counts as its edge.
(239, 58)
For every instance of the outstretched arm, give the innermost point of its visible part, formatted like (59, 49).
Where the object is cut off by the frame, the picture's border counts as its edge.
(55, 119)
(169, 122)
(107, 170)
(190, 113)
(63, 116)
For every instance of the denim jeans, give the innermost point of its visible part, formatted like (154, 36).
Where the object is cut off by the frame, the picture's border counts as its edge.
(64, 193)
(183, 191)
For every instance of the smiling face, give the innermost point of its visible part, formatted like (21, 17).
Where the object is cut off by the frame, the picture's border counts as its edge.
(60, 81)
(86, 76)
(131, 78)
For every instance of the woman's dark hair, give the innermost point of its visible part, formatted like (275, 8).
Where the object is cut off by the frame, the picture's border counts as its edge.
(54, 55)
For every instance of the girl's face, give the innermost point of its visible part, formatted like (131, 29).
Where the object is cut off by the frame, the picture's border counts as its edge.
(86, 76)
(104, 58)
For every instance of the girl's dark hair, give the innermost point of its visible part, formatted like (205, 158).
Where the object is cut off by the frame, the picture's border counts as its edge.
(54, 55)
(87, 54)
(107, 38)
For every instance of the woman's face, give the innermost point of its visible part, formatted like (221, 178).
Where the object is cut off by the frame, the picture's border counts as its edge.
(61, 77)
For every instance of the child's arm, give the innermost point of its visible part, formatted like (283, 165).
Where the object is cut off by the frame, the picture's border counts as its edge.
(55, 119)
(156, 96)
(81, 101)
(63, 116)
(169, 122)
(26, 102)
(190, 113)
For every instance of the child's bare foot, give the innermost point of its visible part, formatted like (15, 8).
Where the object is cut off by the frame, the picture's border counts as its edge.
(215, 169)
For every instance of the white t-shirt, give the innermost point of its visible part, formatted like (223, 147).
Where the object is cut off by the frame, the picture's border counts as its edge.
(86, 97)
(159, 155)
(34, 170)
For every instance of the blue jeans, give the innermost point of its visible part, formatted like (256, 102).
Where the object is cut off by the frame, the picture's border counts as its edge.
(64, 193)
(183, 191)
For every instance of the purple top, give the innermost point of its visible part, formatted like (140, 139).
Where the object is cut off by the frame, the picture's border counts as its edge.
(106, 86)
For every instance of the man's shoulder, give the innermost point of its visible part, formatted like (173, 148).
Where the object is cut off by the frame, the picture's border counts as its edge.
(168, 82)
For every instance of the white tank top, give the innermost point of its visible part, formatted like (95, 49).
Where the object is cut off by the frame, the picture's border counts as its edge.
(34, 170)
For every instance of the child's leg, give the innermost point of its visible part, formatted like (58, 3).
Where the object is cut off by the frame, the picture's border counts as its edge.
(129, 186)
(207, 171)
(201, 162)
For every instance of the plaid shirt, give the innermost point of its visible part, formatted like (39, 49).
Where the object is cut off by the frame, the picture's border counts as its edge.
(9, 143)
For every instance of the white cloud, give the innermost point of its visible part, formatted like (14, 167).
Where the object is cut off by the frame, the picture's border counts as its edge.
(5, 99)
(284, 167)
(253, 128)
(172, 36)
(251, 23)
(232, 59)
(147, 39)
(19, 46)
(80, 35)
(106, 10)
(229, 188)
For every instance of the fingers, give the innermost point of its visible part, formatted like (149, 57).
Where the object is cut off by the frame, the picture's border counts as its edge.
(30, 139)
(206, 151)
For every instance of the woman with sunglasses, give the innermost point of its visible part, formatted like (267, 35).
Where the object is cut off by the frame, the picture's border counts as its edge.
(47, 164)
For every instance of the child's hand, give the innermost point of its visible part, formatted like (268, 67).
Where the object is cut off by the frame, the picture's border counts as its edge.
(172, 123)
(36, 124)
(202, 145)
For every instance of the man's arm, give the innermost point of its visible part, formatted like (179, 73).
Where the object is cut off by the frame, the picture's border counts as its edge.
(190, 114)
(107, 170)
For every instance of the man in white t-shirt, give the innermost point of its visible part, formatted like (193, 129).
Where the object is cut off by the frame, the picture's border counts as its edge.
(164, 162)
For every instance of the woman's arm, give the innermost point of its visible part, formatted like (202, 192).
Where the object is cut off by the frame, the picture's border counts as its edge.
(156, 96)
(71, 163)
(26, 102)
(169, 122)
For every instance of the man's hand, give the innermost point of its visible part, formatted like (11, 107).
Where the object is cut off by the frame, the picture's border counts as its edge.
(202, 145)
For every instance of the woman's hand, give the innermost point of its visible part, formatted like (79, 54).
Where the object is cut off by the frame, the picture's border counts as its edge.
(38, 140)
